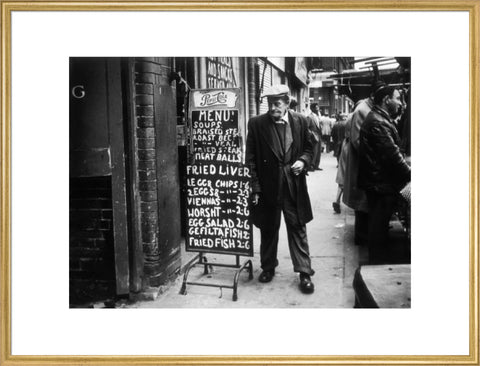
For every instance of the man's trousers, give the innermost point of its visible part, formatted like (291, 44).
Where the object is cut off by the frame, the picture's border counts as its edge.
(296, 233)
(380, 210)
(361, 228)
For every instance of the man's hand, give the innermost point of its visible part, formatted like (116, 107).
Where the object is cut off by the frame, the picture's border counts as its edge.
(255, 198)
(297, 168)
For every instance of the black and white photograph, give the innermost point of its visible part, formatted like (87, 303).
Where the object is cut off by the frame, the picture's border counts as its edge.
(240, 182)
(229, 182)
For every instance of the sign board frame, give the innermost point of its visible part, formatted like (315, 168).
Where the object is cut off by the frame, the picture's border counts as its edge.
(211, 101)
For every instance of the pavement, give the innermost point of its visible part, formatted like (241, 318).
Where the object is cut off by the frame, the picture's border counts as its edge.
(334, 259)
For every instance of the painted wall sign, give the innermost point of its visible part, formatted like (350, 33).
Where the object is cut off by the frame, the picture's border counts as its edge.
(301, 69)
(220, 72)
(218, 183)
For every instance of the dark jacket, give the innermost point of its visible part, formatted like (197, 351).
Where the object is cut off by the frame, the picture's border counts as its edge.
(382, 167)
(315, 128)
(338, 134)
(263, 157)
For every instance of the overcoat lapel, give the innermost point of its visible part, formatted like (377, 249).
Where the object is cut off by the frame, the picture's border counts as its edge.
(271, 137)
(296, 131)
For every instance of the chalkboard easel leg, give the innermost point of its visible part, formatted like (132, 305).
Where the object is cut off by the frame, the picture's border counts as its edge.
(204, 260)
(250, 270)
(248, 264)
(183, 289)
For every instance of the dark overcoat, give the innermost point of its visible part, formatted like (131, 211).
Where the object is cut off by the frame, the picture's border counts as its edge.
(382, 167)
(353, 196)
(264, 158)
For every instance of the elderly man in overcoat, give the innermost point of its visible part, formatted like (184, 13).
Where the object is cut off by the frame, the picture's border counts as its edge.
(279, 153)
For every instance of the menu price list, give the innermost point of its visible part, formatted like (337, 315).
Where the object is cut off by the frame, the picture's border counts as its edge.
(218, 186)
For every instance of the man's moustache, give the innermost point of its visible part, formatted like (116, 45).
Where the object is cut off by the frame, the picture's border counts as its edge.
(276, 117)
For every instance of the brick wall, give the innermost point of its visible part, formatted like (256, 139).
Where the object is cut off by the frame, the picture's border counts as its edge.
(92, 268)
(150, 72)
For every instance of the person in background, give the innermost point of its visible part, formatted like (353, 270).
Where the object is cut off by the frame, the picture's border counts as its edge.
(333, 121)
(353, 196)
(278, 154)
(316, 136)
(338, 134)
(404, 129)
(293, 104)
(342, 162)
(326, 125)
(383, 171)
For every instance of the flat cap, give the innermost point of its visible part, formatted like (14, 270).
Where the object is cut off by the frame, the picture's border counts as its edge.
(276, 91)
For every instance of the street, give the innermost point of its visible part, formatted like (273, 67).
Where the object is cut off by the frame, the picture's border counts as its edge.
(334, 259)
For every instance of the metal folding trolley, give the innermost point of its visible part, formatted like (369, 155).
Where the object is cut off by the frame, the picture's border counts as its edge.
(201, 260)
(218, 184)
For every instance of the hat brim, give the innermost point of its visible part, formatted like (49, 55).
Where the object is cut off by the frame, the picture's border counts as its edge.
(270, 96)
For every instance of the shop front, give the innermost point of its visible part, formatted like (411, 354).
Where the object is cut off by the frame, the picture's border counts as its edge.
(130, 144)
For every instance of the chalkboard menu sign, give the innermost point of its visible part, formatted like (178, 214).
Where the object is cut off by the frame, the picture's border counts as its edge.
(218, 181)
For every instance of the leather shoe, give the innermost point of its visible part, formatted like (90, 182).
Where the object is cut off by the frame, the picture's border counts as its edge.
(306, 284)
(266, 276)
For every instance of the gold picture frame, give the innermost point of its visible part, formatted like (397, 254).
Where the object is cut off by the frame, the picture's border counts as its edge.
(470, 6)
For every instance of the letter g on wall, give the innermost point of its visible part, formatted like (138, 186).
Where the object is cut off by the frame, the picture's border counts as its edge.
(78, 91)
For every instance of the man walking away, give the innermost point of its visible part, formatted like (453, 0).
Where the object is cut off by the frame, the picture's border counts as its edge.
(338, 134)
